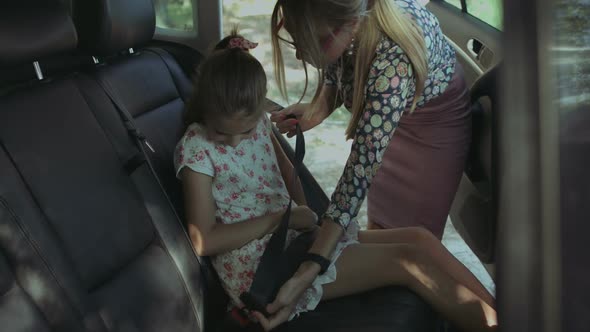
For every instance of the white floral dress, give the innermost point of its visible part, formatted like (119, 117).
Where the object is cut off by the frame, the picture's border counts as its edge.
(247, 183)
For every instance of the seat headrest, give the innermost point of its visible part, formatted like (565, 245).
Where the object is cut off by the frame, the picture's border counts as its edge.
(29, 32)
(106, 27)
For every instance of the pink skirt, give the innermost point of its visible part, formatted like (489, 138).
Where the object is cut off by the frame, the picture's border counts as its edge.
(423, 164)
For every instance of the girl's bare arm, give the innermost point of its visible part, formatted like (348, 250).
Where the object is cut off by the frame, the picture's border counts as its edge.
(208, 236)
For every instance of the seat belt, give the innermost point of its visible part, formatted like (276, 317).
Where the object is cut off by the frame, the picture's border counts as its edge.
(279, 262)
(138, 136)
(275, 267)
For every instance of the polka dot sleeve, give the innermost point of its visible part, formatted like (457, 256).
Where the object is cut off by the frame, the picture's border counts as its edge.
(390, 88)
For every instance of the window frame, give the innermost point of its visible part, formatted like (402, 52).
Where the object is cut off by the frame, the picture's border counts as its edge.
(464, 7)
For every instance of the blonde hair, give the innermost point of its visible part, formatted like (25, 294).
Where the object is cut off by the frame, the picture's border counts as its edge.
(304, 18)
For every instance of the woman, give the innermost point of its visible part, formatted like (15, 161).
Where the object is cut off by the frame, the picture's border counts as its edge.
(388, 62)
(428, 122)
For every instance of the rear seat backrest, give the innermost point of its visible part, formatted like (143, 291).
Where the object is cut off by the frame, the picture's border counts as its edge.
(151, 86)
(99, 245)
(38, 289)
(148, 82)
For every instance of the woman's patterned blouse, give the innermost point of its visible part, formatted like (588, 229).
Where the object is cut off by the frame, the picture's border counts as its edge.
(390, 90)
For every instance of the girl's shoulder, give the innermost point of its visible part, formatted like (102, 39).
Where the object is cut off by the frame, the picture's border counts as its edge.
(193, 150)
(195, 129)
(195, 135)
(265, 124)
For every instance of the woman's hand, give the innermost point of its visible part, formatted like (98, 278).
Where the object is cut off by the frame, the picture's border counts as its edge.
(303, 219)
(287, 125)
(288, 296)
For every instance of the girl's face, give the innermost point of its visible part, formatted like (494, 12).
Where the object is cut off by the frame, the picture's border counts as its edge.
(231, 129)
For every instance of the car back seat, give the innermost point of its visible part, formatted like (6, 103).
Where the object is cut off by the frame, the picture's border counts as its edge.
(151, 86)
(85, 245)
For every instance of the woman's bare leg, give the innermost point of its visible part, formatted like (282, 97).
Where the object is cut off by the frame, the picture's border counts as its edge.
(363, 267)
(430, 244)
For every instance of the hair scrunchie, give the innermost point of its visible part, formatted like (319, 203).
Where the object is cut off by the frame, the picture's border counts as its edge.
(241, 43)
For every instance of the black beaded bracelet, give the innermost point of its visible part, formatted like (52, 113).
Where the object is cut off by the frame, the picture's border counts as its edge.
(322, 261)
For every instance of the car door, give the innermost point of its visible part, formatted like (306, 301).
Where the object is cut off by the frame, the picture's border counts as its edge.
(543, 159)
(473, 27)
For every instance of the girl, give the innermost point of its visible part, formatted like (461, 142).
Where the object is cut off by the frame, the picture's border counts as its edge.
(234, 172)
(233, 175)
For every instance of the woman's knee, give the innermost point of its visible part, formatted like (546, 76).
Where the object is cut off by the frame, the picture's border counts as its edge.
(412, 253)
(410, 260)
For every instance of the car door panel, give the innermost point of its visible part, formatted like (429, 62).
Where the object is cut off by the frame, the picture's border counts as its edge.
(478, 50)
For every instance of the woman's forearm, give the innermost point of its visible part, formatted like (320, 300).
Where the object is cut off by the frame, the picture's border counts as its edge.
(324, 245)
(328, 237)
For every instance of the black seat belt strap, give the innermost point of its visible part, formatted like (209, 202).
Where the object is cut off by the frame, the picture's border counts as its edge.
(126, 117)
(274, 267)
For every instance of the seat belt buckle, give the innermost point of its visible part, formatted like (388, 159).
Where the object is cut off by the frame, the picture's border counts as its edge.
(240, 317)
(253, 303)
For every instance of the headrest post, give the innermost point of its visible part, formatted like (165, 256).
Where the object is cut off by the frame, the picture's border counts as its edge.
(95, 59)
(131, 51)
(38, 70)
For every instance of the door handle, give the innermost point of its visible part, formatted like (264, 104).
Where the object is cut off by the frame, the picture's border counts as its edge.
(475, 47)
(480, 52)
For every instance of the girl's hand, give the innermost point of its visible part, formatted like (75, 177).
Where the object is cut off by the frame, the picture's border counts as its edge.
(303, 219)
(287, 125)
(288, 296)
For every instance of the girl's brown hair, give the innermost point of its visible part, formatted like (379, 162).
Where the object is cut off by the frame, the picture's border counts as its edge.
(227, 82)
(304, 18)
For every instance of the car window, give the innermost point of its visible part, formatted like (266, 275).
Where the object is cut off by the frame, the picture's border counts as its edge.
(175, 14)
(489, 11)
